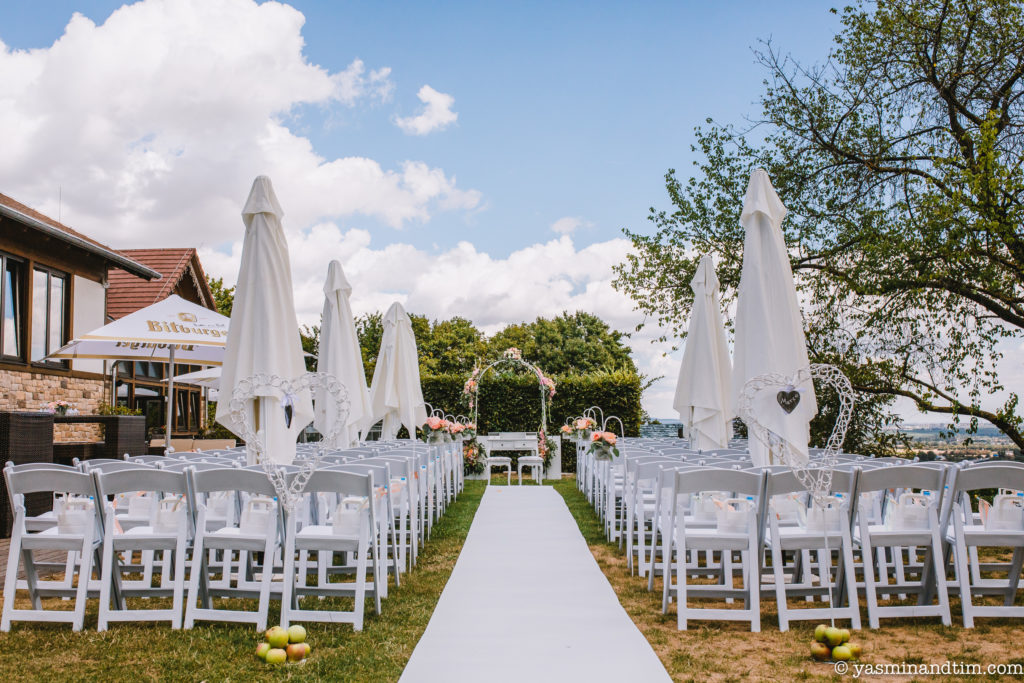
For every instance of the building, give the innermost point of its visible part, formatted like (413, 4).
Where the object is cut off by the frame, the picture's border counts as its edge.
(141, 385)
(56, 283)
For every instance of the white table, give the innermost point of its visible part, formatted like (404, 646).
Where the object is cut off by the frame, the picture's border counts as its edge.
(514, 441)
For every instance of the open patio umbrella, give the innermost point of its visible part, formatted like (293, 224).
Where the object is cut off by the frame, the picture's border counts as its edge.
(340, 356)
(769, 329)
(264, 333)
(170, 331)
(207, 378)
(395, 392)
(705, 376)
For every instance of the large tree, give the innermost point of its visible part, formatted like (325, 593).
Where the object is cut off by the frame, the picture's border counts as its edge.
(899, 158)
(568, 344)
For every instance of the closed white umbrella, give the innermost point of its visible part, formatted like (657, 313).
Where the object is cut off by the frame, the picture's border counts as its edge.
(340, 356)
(769, 329)
(705, 376)
(264, 333)
(395, 392)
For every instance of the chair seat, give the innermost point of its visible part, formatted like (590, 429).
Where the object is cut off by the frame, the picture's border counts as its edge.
(52, 539)
(323, 537)
(800, 538)
(712, 539)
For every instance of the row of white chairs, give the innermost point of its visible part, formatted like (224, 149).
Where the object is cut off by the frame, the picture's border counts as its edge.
(892, 530)
(200, 527)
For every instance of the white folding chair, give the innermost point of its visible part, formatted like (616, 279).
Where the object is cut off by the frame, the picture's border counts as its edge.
(167, 532)
(76, 530)
(907, 525)
(736, 530)
(347, 533)
(824, 531)
(258, 531)
(1002, 525)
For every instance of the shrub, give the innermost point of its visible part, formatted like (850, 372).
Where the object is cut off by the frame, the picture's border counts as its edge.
(511, 402)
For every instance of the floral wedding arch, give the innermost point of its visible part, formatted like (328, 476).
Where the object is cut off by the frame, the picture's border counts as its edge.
(513, 357)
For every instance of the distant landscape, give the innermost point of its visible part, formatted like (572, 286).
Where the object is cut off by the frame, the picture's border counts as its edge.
(930, 440)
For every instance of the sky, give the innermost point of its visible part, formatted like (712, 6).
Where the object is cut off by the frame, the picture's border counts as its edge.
(473, 159)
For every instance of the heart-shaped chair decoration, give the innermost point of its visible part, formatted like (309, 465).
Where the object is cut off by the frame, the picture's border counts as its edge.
(816, 476)
(267, 385)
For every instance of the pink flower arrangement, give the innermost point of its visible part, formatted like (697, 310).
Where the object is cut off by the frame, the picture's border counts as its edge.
(582, 424)
(435, 422)
(602, 445)
(566, 429)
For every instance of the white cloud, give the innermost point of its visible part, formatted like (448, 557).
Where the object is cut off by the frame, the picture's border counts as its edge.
(537, 280)
(569, 224)
(154, 123)
(437, 113)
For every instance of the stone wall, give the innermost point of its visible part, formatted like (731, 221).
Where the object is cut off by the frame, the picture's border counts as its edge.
(32, 391)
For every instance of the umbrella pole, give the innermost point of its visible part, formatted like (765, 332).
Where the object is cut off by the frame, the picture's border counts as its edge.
(170, 403)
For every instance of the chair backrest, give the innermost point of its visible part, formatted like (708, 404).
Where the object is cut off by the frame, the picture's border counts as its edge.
(113, 466)
(341, 482)
(124, 481)
(903, 477)
(147, 459)
(787, 481)
(990, 476)
(10, 465)
(21, 482)
(231, 479)
(740, 482)
(179, 466)
(380, 473)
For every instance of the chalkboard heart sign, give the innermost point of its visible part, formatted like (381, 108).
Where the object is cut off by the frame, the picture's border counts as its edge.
(789, 400)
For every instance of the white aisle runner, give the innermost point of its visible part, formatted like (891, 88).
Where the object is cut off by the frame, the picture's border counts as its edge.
(527, 602)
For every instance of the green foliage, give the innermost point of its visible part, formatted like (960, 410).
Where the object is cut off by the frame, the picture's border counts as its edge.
(214, 429)
(223, 297)
(510, 402)
(899, 159)
(370, 330)
(571, 343)
(310, 336)
(449, 346)
(107, 409)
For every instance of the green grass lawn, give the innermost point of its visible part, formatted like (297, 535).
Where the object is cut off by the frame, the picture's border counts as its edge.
(224, 652)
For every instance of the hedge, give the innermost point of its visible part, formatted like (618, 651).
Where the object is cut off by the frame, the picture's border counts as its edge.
(511, 402)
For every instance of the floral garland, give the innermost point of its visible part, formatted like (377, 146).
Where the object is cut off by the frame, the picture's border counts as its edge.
(545, 446)
(474, 457)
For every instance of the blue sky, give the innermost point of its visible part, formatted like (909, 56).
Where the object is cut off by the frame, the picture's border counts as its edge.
(565, 109)
(150, 120)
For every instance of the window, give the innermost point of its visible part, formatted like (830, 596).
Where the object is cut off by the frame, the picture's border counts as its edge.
(12, 274)
(49, 301)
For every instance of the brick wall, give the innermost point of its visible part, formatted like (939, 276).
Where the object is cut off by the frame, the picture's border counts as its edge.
(33, 390)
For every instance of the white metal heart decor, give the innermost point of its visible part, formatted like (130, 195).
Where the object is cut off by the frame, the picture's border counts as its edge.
(817, 476)
(264, 385)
